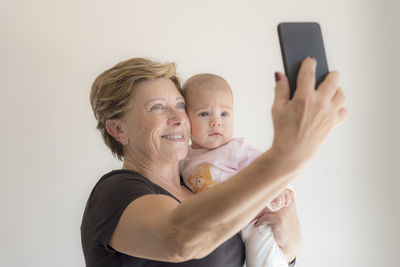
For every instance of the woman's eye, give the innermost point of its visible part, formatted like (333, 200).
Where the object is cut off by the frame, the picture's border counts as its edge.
(157, 107)
(225, 114)
(203, 114)
(181, 105)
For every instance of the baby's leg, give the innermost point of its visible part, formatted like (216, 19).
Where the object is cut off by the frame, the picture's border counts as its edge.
(261, 247)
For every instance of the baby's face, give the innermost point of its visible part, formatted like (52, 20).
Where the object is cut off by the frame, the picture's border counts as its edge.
(210, 110)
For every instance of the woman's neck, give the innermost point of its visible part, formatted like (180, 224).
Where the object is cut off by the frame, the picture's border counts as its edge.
(165, 174)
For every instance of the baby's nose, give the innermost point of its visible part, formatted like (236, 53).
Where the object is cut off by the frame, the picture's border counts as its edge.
(215, 122)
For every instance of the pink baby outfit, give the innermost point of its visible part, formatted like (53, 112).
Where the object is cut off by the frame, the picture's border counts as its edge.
(222, 163)
(229, 158)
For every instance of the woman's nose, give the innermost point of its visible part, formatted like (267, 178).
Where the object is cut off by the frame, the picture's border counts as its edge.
(176, 117)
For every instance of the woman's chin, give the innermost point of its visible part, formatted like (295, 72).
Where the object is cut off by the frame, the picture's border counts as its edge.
(181, 155)
(177, 154)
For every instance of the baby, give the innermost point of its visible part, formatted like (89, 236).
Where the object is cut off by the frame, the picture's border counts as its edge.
(214, 156)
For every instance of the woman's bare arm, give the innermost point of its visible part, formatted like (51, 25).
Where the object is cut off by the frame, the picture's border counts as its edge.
(158, 227)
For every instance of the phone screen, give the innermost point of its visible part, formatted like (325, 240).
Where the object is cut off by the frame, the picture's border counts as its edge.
(299, 40)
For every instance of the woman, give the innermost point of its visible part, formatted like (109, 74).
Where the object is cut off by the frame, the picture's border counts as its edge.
(143, 216)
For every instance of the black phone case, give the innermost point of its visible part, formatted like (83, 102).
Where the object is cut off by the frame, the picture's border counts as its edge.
(299, 40)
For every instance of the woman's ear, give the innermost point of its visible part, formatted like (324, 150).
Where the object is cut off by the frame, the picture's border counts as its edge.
(115, 129)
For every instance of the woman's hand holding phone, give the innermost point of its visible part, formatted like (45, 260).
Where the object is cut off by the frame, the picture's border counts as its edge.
(302, 123)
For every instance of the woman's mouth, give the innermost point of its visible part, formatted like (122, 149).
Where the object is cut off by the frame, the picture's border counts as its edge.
(173, 137)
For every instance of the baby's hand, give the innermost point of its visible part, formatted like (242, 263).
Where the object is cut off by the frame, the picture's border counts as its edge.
(278, 202)
(283, 200)
(288, 197)
(266, 215)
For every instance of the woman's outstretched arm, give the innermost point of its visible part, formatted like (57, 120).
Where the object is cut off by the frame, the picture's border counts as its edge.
(157, 227)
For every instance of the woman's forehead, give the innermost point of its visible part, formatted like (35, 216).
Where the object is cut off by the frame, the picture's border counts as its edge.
(155, 88)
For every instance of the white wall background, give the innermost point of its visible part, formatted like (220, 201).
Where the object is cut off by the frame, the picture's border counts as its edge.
(393, 70)
(51, 51)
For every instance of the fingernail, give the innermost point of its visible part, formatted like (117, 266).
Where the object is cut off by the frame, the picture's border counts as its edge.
(313, 58)
(277, 76)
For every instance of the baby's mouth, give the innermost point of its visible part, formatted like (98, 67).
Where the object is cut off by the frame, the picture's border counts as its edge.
(215, 134)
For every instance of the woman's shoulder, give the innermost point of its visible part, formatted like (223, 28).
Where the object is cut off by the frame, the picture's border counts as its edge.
(125, 183)
(117, 176)
(119, 185)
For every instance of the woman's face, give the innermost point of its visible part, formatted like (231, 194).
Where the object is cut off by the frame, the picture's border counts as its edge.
(156, 124)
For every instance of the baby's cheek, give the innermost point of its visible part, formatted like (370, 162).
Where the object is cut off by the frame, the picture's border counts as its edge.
(197, 128)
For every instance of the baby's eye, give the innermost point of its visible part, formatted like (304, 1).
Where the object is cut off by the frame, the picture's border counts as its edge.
(157, 107)
(181, 105)
(225, 114)
(203, 114)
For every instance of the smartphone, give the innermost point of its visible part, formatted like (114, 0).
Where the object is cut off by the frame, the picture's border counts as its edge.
(299, 40)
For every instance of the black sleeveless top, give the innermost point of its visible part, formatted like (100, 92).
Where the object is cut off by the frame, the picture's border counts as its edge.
(108, 200)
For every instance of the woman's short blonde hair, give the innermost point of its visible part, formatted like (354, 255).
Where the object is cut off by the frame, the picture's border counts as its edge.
(112, 90)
